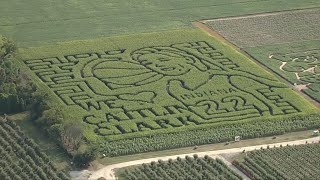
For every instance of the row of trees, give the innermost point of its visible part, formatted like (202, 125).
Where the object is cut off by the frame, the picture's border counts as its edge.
(64, 131)
(188, 168)
(289, 162)
(21, 158)
(16, 88)
(18, 93)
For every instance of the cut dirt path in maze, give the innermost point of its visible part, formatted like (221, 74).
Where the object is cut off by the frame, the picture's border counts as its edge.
(108, 172)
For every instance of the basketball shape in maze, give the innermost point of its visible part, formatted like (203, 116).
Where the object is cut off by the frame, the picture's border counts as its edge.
(124, 91)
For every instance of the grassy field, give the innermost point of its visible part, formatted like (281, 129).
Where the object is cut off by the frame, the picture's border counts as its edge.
(181, 168)
(288, 43)
(36, 22)
(289, 162)
(135, 93)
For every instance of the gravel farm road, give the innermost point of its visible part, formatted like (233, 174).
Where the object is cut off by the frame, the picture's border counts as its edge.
(108, 171)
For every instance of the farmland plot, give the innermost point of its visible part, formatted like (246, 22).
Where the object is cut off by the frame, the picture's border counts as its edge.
(269, 28)
(289, 162)
(21, 157)
(131, 92)
(43, 22)
(181, 168)
(287, 43)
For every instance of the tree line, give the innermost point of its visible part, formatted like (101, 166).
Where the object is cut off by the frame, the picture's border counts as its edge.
(19, 93)
(16, 87)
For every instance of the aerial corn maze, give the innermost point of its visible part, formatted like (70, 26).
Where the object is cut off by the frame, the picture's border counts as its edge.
(105, 82)
(134, 97)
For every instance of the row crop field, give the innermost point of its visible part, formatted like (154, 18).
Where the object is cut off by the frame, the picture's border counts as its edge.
(134, 93)
(21, 158)
(40, 22)
(187, 168)
(269, 28)
(289, 162)
(288, 43)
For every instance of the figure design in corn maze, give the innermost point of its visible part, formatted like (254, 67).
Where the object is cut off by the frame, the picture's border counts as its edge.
(124, 91)
(189, 75)
(304, 65)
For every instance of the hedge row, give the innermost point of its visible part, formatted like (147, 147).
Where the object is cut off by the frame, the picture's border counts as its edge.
(11, 103)
(222, 133)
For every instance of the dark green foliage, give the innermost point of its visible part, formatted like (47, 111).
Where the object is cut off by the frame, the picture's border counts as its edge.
(21, 158)
(9, 103)
(68, 135)
(289, 162)
(40, 103)
(15, 87)
(188, 168)
(84, 156)
(50, 117)
(7, 48)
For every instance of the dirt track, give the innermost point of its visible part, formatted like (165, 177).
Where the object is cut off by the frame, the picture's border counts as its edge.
(108, 171)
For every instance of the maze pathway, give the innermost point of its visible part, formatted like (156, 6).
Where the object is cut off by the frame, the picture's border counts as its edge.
(129, 91)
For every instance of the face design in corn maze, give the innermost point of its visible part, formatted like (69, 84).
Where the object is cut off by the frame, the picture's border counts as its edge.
(165, 61)
(186, 84)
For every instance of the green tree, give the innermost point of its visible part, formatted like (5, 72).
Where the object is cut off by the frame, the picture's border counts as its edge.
(8, 71)
(16, 87)
(50, 117)
(7, 47)
(3, 75)
(71, 136)
(39, 104)
(84, 156)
